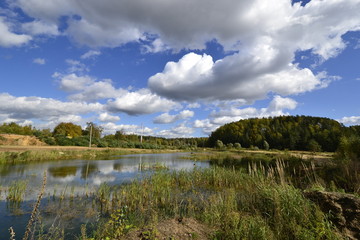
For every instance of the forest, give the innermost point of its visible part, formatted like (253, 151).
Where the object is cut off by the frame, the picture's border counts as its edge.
(284, 132)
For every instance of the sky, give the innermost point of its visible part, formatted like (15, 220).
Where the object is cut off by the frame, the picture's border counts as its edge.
(173, 68)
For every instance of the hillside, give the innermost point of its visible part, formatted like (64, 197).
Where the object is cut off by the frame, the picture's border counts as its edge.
(284, 132)
(20, 140)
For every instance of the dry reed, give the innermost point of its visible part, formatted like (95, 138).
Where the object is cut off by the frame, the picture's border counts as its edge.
(35, 210)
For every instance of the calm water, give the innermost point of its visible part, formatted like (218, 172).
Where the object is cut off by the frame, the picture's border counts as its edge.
(75, 177)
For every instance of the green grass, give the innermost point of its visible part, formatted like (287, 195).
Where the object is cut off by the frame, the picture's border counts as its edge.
(46, 155)
(16, 191)
(234, 204)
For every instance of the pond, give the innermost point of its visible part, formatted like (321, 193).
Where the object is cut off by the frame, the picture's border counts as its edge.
(75, 179)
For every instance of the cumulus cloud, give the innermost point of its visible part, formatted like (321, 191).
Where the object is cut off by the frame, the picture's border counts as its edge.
(72, 82)
(218, 118)
(40, 61)
(353, 120)
(44, 109)
(90, 54)
(176, 132)
(87, 88)
(190, 24)
(140, 102)
(9, 38)
(240, 77)
(105, 117)
(263, 35)
(167, 118)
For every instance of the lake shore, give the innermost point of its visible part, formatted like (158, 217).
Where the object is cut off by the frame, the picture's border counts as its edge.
(14, 154)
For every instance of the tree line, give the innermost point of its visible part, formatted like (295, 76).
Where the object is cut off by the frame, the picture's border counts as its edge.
(69, 134)
(284, 132)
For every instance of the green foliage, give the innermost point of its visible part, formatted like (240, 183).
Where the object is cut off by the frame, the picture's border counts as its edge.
(14, 128)
(349, 148)
(314, 146)
(67, 130)
(118, 224)
(219, 144)
(266, 145)
(285, 132)
(237, 145)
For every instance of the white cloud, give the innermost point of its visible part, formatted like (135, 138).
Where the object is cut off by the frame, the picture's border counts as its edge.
(10, 39)
(206, 125)
(238, 76)
(41, 28)
(40, 61)
(105, 117)
(176, 132)
(73, 82)
(353, 120)
(111, 128)
(76, 66)
(90, 54)
(218, 118)
(156, 46)
(140, 102)
(167, 118)
(44, 109)
(193, 105)
(86, 88)
(263, 34)
(278, 104)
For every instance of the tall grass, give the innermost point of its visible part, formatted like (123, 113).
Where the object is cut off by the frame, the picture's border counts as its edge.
(35, 210)
(16, 191)
(235, 204)
(46, 155)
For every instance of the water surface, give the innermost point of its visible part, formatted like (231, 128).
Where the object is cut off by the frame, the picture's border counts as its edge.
(76, 178)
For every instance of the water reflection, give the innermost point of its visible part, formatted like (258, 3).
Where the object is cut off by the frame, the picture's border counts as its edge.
(62, 172)
(88, 170)
(76, 178)
(78, 174)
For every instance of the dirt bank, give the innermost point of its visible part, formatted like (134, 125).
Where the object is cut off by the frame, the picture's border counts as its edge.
(20, 140)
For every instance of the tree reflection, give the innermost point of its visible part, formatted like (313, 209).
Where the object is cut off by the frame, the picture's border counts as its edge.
(88, 169)
(62, 172)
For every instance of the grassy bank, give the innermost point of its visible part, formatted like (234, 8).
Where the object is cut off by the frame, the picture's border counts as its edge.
(47, 154)
(232, 203)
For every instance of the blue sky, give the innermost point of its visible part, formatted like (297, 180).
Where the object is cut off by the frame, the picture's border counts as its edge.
(177, 68)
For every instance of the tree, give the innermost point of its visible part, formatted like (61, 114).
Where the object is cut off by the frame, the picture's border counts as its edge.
(266, 145)
(120, 135)
(237, 145)
(94, 129)
(314, 146)
(230, 146)
(68, 130)
(219, 144)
